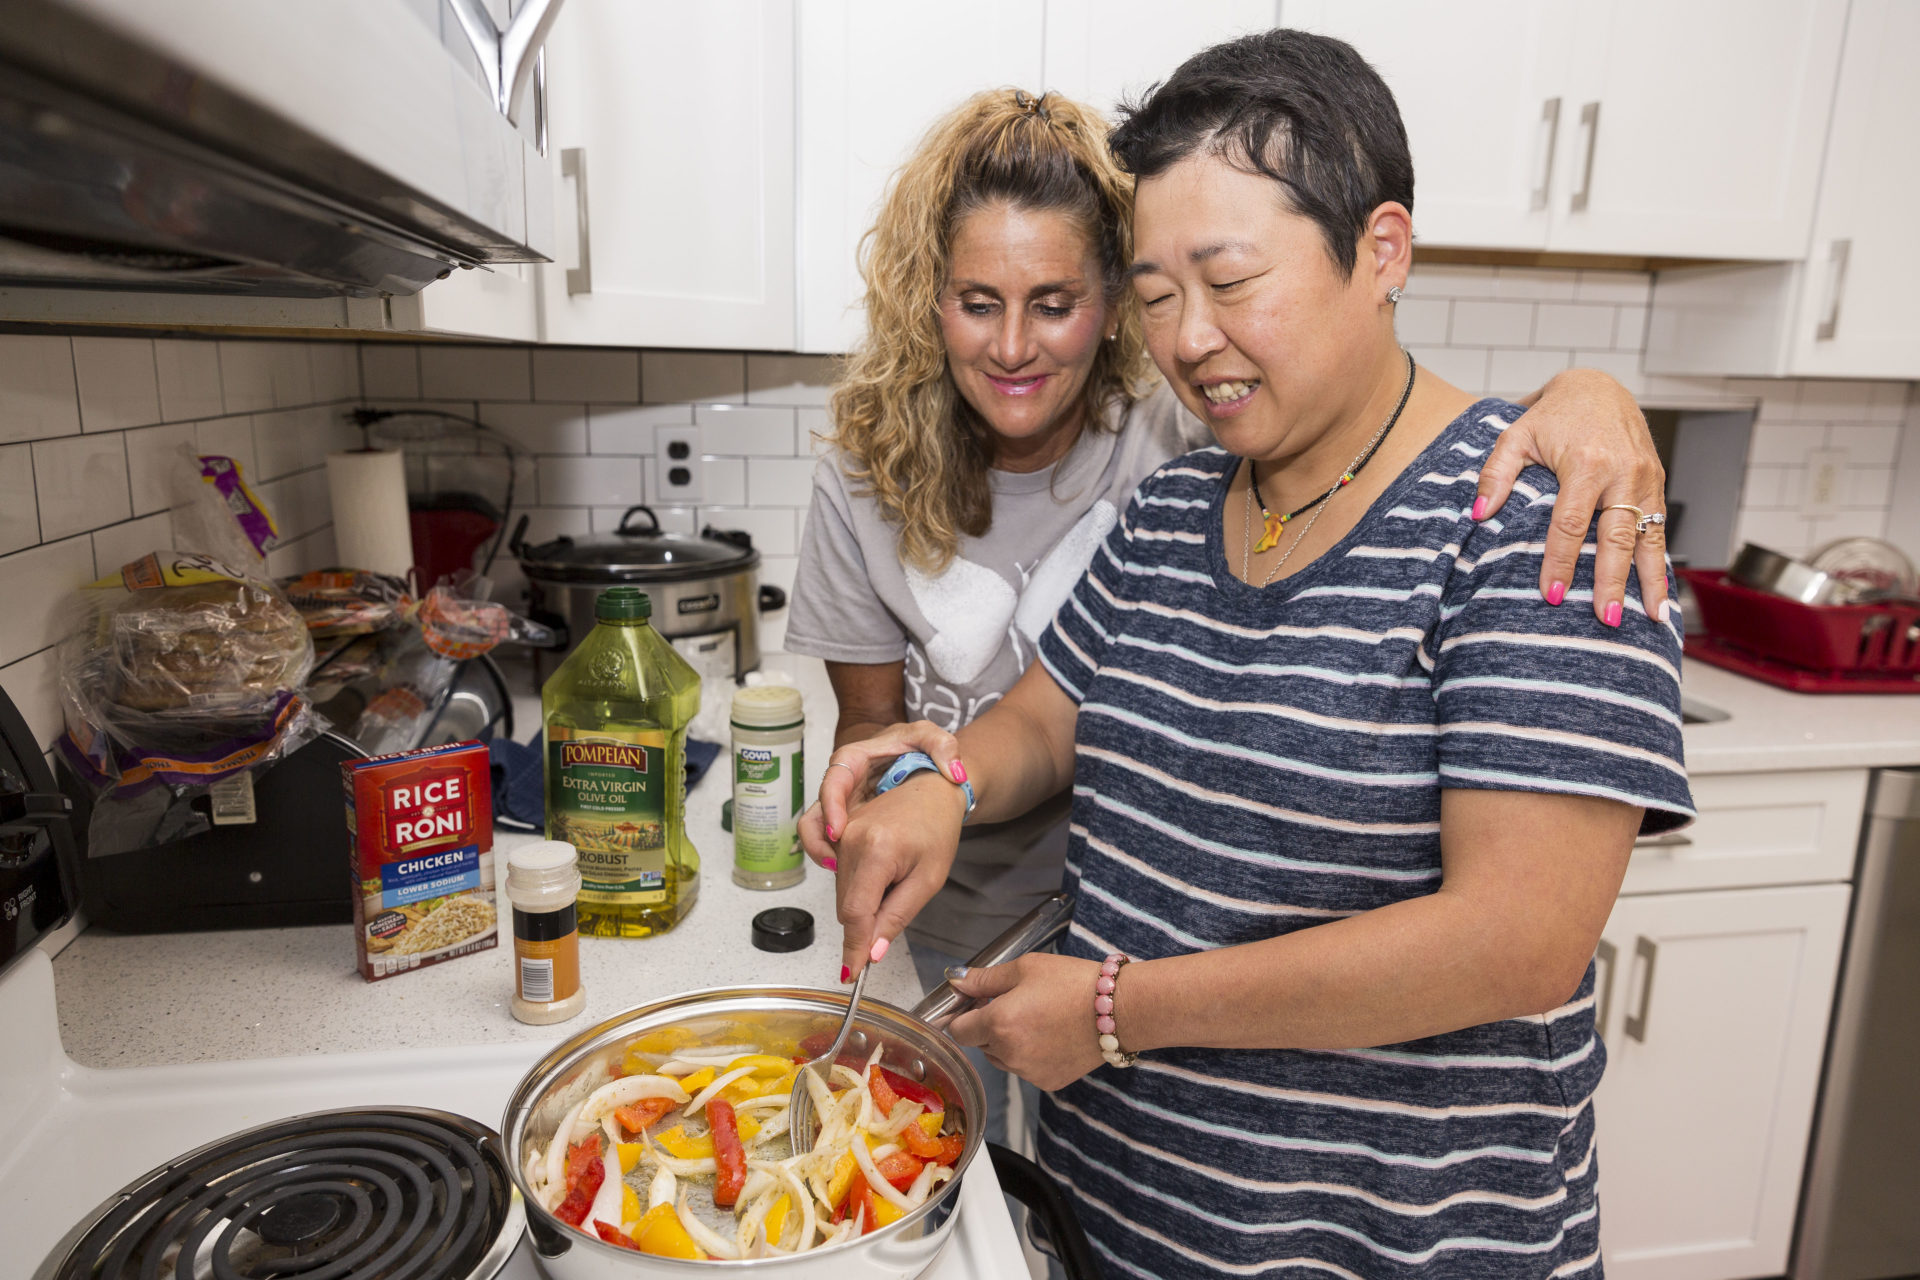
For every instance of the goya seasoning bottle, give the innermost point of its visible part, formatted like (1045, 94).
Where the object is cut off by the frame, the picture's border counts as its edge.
(769, 786)
(616, 715)
(543, 882)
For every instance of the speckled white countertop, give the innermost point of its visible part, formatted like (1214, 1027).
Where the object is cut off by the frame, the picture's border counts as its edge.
(195, 997)
(141, 1000)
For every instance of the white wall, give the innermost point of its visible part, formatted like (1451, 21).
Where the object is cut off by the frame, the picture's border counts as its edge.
(85, 423)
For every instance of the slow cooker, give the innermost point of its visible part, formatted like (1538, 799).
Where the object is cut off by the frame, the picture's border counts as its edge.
(707, 599)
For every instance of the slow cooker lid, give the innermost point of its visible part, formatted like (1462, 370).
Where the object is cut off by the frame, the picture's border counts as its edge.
(638, 552)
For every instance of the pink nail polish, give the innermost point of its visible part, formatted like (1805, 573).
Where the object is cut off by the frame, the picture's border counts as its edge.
(835, 835)
(1480, 508)
(959, 771)
(1555, 594)
(846, 974)
(830, 864)
(879, 951)
(1613, 614)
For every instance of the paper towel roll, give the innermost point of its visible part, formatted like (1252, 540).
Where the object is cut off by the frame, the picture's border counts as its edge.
(370, 525)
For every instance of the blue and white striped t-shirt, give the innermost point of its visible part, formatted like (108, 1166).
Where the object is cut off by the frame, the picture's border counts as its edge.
(1252, 761)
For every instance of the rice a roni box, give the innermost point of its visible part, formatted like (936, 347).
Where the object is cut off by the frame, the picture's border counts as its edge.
(422, 829)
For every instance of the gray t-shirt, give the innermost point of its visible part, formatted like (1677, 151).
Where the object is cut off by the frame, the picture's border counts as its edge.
(967, 634)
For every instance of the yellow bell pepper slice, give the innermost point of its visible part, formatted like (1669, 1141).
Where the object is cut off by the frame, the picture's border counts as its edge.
(776, 1219)
(698, 1080)
(763, 1064)
(844, 1171)
(930, 1123)
(630, 1207)
(630, 1153)
(676, 1143)
(659, 1232)
(885, 1211)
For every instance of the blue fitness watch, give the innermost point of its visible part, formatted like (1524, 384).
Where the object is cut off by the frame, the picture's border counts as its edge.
(916, 762)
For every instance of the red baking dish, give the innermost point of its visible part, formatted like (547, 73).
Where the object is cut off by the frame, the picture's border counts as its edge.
(1836, 648)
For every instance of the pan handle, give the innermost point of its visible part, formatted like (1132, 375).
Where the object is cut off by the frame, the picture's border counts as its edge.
(1022, 1179)
(1031, 932)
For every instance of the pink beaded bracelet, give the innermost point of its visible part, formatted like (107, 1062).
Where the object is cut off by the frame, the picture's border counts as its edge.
(1103, 1011)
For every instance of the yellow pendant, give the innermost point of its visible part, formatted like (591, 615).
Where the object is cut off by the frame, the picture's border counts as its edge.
(1270, 535)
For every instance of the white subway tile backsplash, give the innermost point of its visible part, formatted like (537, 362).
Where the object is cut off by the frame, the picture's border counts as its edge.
(540, 428)
(189, 376)
(246, 376)
(336, 371)
(286, 441)
(1868, 444)
(810, 430)
(389, 371)
(1419, 321)
(1491, 324)
(124, 543)
(1890, 401)
(586, 374)
(772, 527)
(723, 482)
(37, 390)
(290, 372)
(630, 430)
(1520, 372)
(301, 503)
(152, 453)
(229, 438)
(81, 482)
(1833, 401)
(119, 386)
(1783, 444)
(1633, 288)
(1765, 488)
(1866, 487)
(779, 482)
(673, 377)
(1534, 284)
(476, 373)
(19, 507)
(744, 430)
(1622, 366)
(35, 583)
(1449, 282)
(1464, 367)
(33, 686)
(789, 380)
(1573, 324)
(1845, 524)
(1630, 329)
(1788, 534)
(589, 481)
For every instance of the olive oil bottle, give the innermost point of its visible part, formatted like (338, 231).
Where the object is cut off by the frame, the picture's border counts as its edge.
(616, 715)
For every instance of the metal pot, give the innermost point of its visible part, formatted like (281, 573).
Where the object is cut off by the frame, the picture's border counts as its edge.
(913, 1047)
(707, 599)
(1767, 570)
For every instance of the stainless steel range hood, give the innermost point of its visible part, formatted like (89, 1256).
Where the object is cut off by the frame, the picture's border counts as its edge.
(350, 147)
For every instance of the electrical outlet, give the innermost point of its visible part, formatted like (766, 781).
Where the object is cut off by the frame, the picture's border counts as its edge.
(677, 472)
(1826, 474)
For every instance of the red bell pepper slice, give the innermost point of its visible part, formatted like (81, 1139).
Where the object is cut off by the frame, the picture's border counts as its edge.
(614, 1235)
(900, 1168)
(729, 1157)
(581, 1157)
(643, 1114)
(884, 1096)
(858, 1200)
(573, 1210)
(913, 1091)
(941, 1150)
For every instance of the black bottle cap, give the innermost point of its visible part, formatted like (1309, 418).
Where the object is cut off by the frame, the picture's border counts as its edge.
(783, 929)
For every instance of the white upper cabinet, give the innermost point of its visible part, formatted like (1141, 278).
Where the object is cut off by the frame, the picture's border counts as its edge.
(874, 75)
(1101, 51)
(1846, 310)
(1634, 127)
(671, 133)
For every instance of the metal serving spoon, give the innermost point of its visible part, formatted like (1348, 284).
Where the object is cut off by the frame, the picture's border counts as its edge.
(803, 1125)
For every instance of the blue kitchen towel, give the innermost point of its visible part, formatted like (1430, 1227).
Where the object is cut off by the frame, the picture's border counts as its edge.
(519, 779)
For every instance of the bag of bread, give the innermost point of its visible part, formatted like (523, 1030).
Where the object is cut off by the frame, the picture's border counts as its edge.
(178, 672)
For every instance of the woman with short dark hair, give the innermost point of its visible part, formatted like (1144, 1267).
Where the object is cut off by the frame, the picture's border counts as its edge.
(1351, 802)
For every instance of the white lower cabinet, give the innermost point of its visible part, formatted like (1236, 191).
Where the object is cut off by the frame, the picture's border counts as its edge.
(1714, 1010)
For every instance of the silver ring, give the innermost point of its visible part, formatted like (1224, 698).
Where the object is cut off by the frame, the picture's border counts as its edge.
(842, 764)
(1642, 520)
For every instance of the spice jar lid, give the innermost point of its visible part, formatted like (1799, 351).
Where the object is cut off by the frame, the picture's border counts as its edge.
(767, 706)
(783, 929)
(542, 855)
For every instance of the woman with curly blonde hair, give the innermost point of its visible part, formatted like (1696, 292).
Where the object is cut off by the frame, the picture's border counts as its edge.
(986, 436)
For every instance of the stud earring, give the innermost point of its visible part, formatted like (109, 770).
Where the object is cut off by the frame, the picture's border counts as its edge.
(1393, 294)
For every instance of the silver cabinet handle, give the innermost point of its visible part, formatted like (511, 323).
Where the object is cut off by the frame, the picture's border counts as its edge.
(1635, 1025)
(1609, 955)
(1671, 840)
(1836, 278)
(540, 103)
(506, 56)
(1590, 121)
(1550, 121)
(573, 164)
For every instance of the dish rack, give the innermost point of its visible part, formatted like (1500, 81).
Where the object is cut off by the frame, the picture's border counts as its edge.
(1835, 648)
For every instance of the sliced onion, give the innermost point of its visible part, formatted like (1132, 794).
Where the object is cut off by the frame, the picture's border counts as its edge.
(703, 1235)
(905, 1112)
(628, 1090)
(719, 1083)
(802, 1200)
(753, 1218)
(767, 1102)
(660, 1190)
(922, 1185)
(557, 1150)
(757, 1183)
(608, 1202)
(775, 1127)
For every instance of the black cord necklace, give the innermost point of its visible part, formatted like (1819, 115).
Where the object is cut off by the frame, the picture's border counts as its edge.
(1270, 535)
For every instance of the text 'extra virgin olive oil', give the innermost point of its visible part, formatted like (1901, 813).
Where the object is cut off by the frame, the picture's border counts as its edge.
(616, 715)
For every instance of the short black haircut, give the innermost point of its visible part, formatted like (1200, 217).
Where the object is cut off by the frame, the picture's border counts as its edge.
(1304, 110)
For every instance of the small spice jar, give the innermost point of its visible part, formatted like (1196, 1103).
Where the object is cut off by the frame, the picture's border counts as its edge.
(543, 882)
(769, 786)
